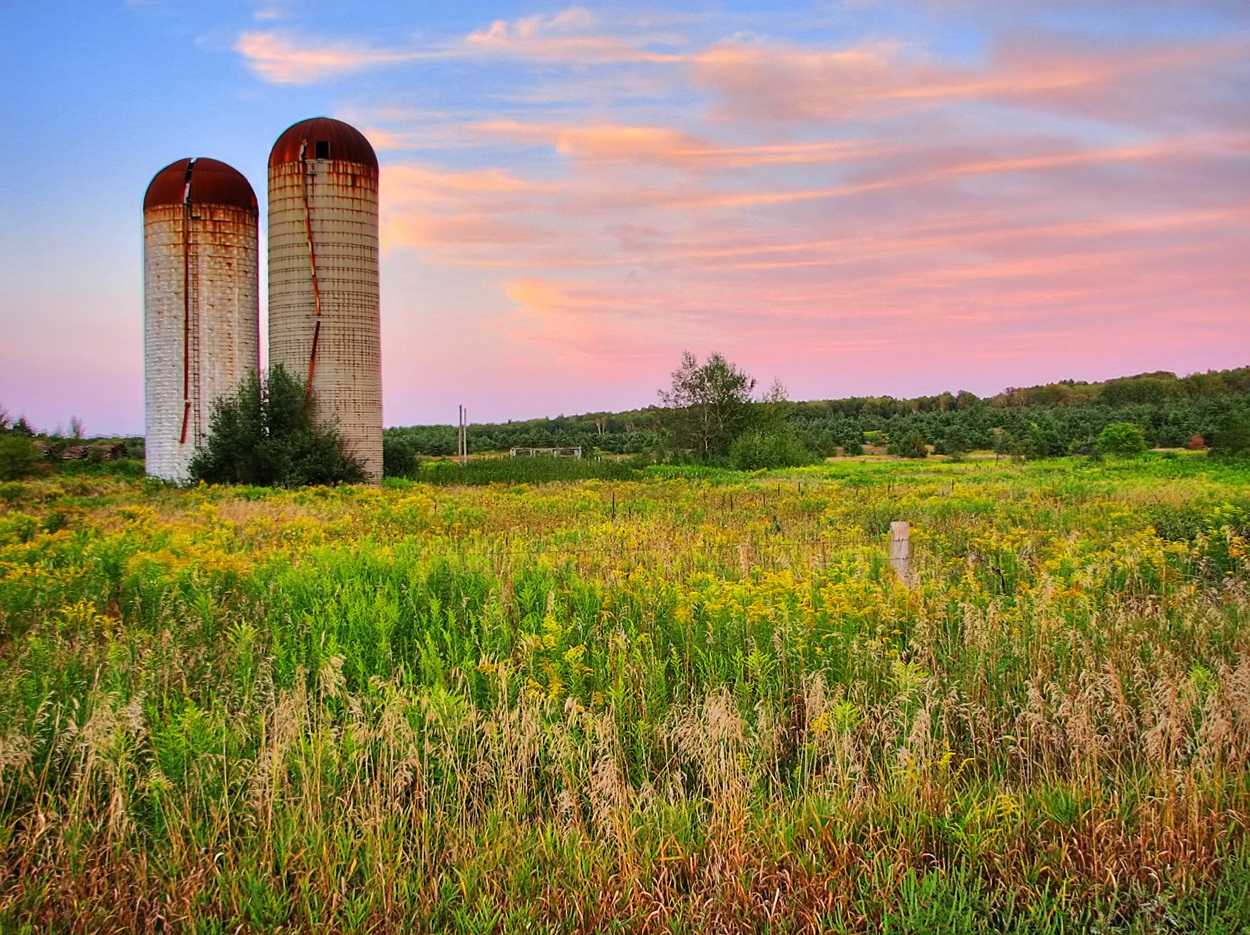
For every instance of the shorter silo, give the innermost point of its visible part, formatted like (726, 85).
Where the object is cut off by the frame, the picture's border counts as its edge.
(201, 331)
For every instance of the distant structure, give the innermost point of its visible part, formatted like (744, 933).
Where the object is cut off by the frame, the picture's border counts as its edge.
(323, 277)
(201, 333)
(574, 451)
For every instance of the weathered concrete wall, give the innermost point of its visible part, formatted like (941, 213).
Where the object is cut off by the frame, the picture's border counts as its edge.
(221, 341)
(338, 200)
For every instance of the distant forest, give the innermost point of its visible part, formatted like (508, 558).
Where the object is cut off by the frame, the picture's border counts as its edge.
(1036, 421)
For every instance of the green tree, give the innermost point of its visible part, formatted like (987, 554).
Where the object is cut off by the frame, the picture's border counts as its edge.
(1123, 439)
(954, 443)
(266, 434)
(1043, 440)
(1232, 436)
(18, 457)
(710, 404)
(910, 445)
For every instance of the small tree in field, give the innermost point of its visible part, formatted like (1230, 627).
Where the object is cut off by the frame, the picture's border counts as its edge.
(1123, 439)
(266, 435)
(710, 404)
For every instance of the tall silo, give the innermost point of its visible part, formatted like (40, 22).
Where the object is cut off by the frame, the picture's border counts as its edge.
(201, 313)
(323, 277)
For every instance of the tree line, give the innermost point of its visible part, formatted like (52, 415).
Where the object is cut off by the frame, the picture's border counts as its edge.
(710, 413)
(1050, 420)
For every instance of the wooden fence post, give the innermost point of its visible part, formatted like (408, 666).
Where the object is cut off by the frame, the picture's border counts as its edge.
(900, 551)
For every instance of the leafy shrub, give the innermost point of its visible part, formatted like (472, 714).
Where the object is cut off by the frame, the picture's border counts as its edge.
(911, 445)
(399, 455)
(18, 457)
(1123, 439)
(1232, 436)
(266, 435)
(766, 449)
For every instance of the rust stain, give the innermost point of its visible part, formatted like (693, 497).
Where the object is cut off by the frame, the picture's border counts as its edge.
(211, 183)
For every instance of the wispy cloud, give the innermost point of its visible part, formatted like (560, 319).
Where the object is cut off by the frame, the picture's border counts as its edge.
(569, 37)
(282, 58)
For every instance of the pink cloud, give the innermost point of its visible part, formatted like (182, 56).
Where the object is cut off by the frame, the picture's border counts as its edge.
(573, 35)
(282, 58)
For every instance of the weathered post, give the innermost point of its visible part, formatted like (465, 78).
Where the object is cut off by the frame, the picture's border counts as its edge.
(900, 551)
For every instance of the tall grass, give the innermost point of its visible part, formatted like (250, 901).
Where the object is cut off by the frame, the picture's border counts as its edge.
(647, 705)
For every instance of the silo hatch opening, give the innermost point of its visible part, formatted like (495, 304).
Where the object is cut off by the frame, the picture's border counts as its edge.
(323, 149)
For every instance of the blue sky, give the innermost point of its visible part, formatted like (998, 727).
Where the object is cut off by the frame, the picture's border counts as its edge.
(855, 197)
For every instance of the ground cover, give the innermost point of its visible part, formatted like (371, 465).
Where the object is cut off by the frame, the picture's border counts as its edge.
(687, 702)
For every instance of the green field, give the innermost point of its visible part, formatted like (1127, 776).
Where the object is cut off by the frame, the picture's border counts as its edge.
(693, 701)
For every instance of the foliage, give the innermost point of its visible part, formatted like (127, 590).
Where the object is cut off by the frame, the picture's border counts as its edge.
(657, 704)
(1232, 436)
(266, 435)
(121, 467)
(521, 470)
(1123, 439)
(909, 445)
(1043, 440)
(709, 404)
(399, 455)
(763, 448)
(18, 457)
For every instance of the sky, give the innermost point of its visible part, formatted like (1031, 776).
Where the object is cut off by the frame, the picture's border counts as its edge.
(855, 197)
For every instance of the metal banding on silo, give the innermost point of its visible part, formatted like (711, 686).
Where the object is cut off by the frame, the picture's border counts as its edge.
(324, 323)
(201, 310)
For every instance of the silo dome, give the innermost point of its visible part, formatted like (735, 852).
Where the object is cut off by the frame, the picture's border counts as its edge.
(201, 331)
(324, 321)
(211, 183)
(323, 138)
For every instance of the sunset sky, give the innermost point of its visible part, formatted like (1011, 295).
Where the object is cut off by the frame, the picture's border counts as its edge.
(857, 197)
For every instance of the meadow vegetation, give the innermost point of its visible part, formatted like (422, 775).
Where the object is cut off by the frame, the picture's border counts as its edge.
(686, 699)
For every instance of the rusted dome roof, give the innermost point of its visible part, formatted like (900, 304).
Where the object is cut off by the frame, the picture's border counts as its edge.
(323, 138)
(212, 183)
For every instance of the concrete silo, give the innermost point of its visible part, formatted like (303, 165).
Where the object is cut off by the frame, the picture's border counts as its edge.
(201, 332)
(323, 277)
